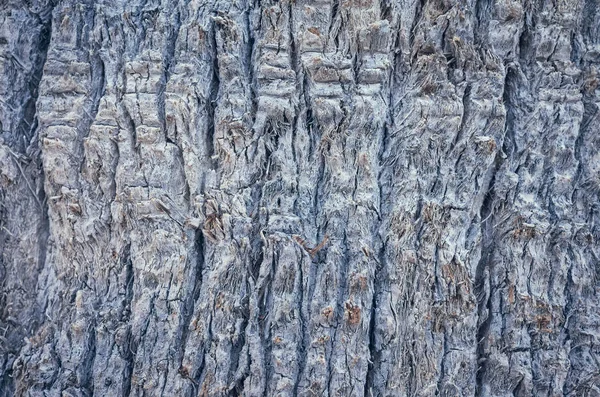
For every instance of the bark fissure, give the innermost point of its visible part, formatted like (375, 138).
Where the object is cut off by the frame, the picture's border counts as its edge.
(483, 287)
(188, 311)
(28, 120)
(374, 356)
(301, 347)
(211, 101)
(130, 348)
(168, 62)
(484, 284)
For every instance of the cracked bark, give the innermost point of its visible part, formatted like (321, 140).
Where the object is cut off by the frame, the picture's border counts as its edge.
(374, 198)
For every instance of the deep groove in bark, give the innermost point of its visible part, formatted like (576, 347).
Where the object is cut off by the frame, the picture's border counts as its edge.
(167, 65)
(374, 356)
(339, 309)
(301, 346)
(211, 101)
(265, 327)
(483, 292)
(28, 124)
(249, 57)
(130, 348)
(237, 349)
(188, 310)
(98, 86)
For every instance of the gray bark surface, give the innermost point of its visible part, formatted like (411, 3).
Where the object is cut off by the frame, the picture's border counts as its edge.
(299, 198)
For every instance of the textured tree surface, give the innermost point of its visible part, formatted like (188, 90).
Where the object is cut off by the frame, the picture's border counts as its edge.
(300, 198)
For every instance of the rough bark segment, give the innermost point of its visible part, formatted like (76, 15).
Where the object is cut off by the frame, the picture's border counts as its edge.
(24, 40)
(342, 198)
(528, 343)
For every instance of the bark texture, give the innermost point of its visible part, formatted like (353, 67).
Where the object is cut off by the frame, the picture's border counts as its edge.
(299, 198)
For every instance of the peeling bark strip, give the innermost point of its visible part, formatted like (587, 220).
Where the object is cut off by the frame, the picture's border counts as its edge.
(299, 198)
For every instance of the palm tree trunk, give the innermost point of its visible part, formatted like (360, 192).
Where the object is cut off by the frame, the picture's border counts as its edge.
(299, 198)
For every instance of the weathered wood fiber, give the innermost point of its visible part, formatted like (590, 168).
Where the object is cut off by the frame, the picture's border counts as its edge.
(299, 198)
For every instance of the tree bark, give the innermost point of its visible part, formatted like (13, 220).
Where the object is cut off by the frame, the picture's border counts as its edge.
(299, 198)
